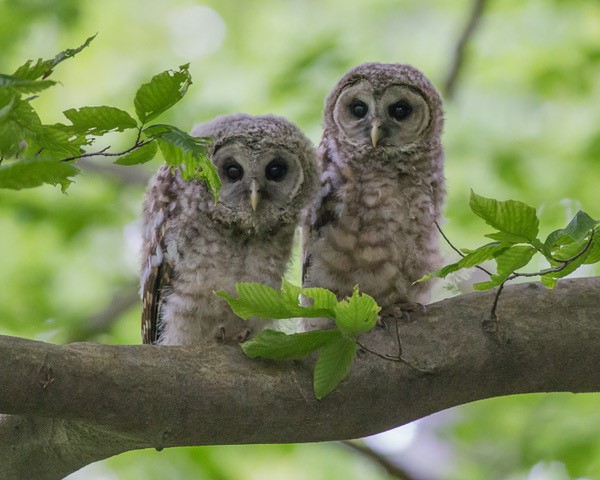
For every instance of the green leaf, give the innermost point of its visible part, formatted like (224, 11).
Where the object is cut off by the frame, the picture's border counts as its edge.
(548, 281)
(10, 139)
(57, 142)
(594, 251)
(578, 229)
(187, 153)
(8, 101)
(508, 261)
(262, 301)
(473, 258)
(161, 93)
(516, 221)
(321, 298)
(357, 313)
(191, 166)
(512, 259)
(140, 155)
(570, 250)
(333, 364)
(257, 300)
(35, 172)
(279, 346)
(24, 86)
(20, 122)
(43, 68)
(177, 138)
(98, 121)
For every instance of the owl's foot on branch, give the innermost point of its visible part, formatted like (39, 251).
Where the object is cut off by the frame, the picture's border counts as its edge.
(240, 337)
(400, 311)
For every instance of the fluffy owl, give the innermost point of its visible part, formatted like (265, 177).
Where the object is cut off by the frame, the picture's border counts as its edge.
(382, 188)
(193, 247)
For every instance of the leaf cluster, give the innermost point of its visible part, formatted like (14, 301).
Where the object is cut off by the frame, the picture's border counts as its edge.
(32, 153)
(336, 347)
(516, 243)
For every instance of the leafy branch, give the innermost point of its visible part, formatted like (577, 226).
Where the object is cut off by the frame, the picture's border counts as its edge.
(517, 243)
(336, 347)
(38, 153)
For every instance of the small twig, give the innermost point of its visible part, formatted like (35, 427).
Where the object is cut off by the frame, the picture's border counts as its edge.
(493, 315)
(392, 358)
(103, 153)
(398, 338)
(459, 51)
(381, 355)
(391, 469)
(126, 176)
(102, 321)
(457, 250)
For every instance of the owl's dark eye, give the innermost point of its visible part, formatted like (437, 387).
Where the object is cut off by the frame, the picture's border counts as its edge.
(276, 170)
(358, 108)
(233, 171)
(399, 110)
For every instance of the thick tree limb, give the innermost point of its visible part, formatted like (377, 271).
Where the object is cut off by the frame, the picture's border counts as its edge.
(74, 404)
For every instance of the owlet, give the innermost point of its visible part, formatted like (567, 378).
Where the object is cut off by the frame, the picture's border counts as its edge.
(193, 247)
(382, 188)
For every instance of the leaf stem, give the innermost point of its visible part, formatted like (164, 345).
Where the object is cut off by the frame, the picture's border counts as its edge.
(103, 153)
(457, 250)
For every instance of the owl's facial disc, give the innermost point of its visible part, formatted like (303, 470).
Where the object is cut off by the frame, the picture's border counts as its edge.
(259, 180)
(394, 117)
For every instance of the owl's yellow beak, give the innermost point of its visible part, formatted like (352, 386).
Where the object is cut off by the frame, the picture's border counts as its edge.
(375, 133)
(254, 195)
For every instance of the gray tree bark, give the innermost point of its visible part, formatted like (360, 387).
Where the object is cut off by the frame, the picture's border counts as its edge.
(66, 406)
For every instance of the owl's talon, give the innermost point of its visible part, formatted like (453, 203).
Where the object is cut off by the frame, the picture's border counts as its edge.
(381, 323)
(221, 334)
(243, 335)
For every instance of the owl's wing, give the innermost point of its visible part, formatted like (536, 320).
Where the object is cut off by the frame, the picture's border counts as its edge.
(156, 279)
(319, 215)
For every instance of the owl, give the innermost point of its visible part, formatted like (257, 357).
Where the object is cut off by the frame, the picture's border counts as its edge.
(382, 188)
(193, 246)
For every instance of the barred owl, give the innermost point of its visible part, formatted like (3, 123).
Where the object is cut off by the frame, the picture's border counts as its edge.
(193, 246)
(382, 188)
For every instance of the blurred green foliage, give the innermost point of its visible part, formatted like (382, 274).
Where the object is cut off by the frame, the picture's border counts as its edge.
(524, 124)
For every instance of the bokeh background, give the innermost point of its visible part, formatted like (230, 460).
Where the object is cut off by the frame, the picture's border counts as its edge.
(523, 122)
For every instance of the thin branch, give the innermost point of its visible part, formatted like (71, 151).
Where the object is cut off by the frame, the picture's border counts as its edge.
(103, 152)
(390, 468)
(377, 354)
(102, 321)
(457, 250)
(124, 175)
(398, 338)
(458, 60)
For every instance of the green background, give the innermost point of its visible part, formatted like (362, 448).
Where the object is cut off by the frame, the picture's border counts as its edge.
(524, 123)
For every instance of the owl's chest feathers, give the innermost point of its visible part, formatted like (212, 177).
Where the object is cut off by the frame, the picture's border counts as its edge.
(387, 208)
(205, 259)
(382, 224)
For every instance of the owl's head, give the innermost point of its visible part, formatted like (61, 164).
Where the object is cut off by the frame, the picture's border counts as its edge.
(389, 106)
(267, 169)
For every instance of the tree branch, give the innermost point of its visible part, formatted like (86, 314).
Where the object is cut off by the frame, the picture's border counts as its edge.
(390, 468)
(73, 404)
(458, 59)
(102, 321)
